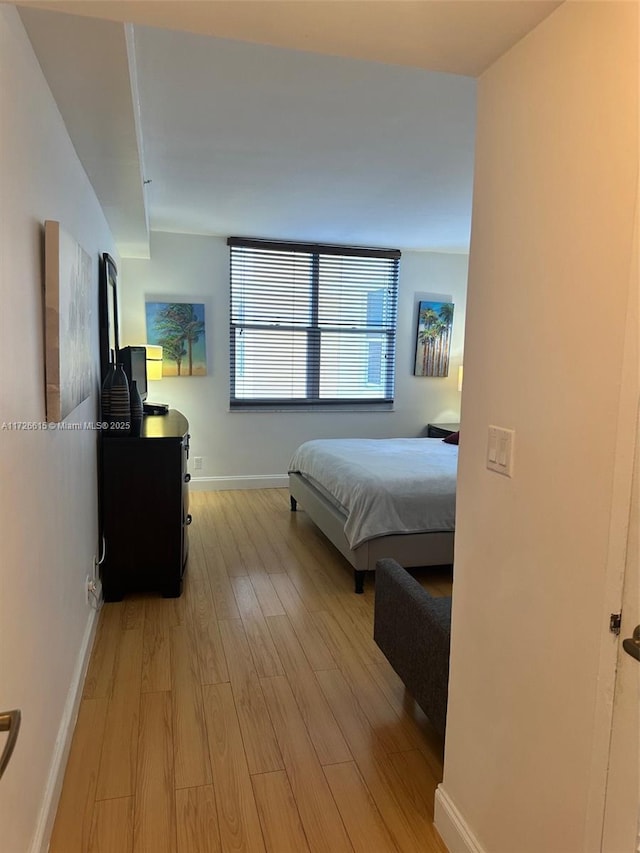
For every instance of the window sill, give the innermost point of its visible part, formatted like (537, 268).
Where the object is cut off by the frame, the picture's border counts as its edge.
(290, 410)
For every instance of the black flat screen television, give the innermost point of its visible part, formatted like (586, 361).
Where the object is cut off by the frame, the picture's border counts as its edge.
(134, 362)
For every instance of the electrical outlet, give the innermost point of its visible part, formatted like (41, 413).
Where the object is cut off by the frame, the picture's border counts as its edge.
(197, 463)
(93, 592)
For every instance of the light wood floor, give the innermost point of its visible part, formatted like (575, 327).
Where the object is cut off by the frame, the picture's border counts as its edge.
(254, 713)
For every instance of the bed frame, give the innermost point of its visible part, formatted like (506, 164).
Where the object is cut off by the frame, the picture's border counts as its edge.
(410, 549)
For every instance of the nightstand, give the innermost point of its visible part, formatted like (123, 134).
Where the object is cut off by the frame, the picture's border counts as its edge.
(441, 430)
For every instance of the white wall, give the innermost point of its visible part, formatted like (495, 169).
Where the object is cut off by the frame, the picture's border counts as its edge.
(255, 445)
(48, 517)
(555, 188)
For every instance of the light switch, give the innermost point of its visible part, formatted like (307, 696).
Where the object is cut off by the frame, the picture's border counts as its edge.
(492, 449)
(502, 452)
(500, 447)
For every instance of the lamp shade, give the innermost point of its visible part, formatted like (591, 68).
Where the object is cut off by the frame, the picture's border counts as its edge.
(154, 361)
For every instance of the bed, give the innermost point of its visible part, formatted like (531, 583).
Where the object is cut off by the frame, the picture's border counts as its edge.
(376, 498)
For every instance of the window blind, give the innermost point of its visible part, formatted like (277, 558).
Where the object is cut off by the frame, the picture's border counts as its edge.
(311, 324)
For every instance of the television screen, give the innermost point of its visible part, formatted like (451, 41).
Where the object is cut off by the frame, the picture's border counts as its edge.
(134, 361)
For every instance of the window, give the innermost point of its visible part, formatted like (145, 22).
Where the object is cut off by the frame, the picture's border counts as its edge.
(312, 325)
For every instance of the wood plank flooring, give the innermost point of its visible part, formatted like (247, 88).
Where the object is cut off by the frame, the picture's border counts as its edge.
(254, 713)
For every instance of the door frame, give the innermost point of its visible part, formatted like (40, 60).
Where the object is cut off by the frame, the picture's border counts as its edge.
(626, 440)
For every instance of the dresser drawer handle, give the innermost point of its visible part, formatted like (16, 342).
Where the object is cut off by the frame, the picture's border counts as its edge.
(187, 478)
(188, 519)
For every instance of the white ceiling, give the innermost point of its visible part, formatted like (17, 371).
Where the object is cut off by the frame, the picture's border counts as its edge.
(270, 141)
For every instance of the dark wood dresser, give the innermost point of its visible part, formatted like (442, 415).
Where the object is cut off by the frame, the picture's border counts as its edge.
(144, 508)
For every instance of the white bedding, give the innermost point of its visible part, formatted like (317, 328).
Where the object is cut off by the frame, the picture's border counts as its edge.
(384, 486)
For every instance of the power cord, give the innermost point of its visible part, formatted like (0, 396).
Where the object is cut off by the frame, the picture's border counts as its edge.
(94, 584)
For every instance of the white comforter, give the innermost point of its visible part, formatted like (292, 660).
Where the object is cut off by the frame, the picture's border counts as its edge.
(384, 486)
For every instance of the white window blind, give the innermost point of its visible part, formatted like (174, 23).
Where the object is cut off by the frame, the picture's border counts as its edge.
(311, 324)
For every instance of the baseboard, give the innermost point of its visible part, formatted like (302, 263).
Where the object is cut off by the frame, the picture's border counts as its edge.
(219, 484)
(452, 826)
(53, 788)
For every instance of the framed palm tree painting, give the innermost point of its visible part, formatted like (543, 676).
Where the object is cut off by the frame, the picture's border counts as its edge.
(433, 338)
(178, 327)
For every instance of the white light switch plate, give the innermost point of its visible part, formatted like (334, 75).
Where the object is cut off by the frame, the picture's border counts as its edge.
(500, 449)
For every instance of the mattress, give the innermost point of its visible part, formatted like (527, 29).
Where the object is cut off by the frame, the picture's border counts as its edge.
(384, 486)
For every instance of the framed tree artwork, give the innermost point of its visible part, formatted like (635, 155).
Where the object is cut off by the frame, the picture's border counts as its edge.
(179, 328)
(433, 338)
